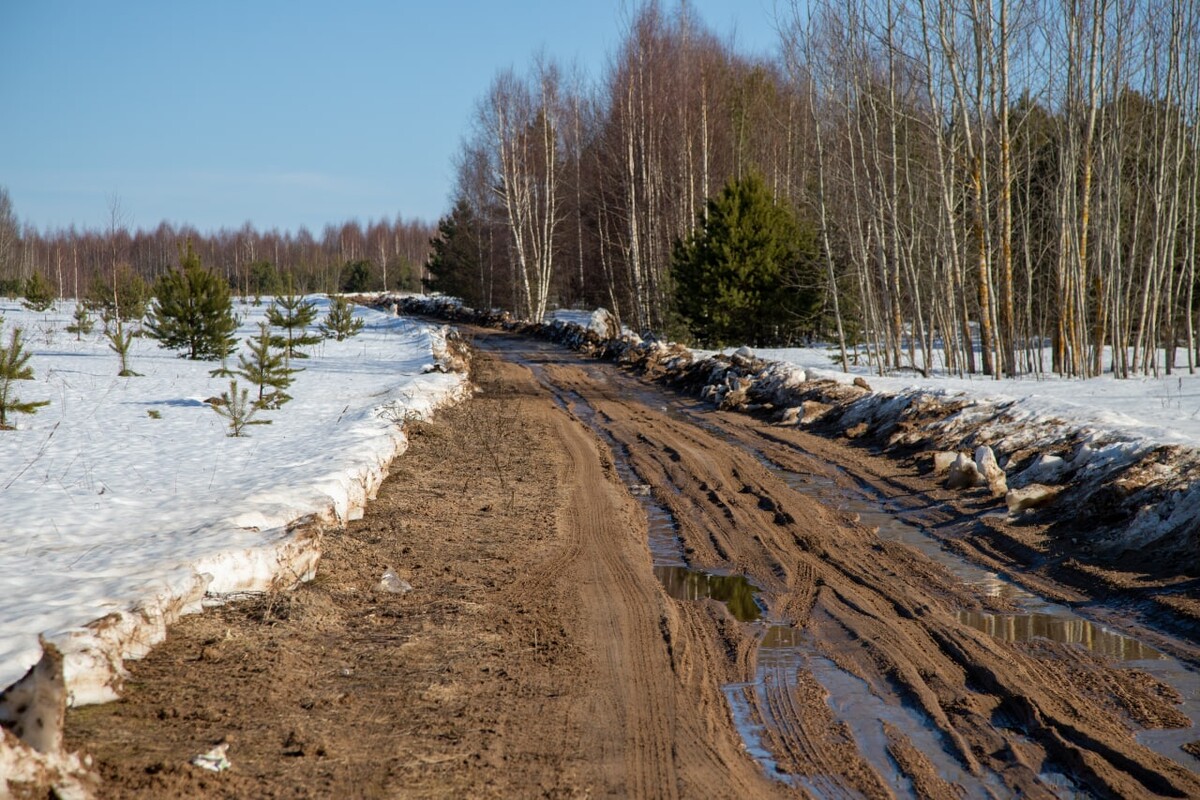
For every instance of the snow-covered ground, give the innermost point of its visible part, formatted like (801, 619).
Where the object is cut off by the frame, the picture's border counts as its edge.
(126, 494)
(1164, 410)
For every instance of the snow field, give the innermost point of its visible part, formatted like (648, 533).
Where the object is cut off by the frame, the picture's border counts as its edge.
(113, 521)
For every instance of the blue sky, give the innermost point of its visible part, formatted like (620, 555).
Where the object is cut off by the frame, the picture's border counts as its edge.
(280, 113)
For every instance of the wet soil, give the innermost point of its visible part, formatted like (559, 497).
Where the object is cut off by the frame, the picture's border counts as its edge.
(539, 654)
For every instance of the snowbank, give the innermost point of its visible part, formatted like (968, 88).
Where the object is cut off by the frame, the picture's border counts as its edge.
(123, 502)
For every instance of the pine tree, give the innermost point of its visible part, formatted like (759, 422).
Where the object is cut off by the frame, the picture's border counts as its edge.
(126, 295)
(14, 366)
(39, 295)
(235, 406)
(83, 322)
(749, 272)
(193, 311)
(293, 314)
(266, 369)
(340, 323)
(119, 341)
(357, 276)
(453, 266)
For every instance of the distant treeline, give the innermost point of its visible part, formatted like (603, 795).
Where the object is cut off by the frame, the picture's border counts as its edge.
(382, 255)
(984, 179)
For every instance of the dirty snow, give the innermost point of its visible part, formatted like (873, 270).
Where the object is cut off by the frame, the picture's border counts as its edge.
(1163, 410)
(126, 492)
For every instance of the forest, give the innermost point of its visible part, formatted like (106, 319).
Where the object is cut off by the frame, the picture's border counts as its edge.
(1004, 187)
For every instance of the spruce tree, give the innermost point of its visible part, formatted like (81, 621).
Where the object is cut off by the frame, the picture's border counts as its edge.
(193, 311)
(39, 295)
(14, 366)
(340, 323)
(749, 273)
(266, 369)
(293, 314)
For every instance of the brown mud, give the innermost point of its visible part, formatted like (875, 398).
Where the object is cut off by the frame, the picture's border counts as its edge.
(538, 655)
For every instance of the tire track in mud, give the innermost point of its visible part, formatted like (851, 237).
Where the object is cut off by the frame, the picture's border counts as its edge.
(879, 611)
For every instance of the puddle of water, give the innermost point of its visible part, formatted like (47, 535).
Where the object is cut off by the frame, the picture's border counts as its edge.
(785, 650)
(1059, 628)
(670, 564)
(737, 593)
(750, 730)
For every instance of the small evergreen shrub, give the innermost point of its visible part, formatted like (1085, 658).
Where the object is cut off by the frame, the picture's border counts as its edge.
(83, 322)
(193, 311)
(238, 411)
(125, 295)
(340, 323)
(119, 339)
(39, 294)
(267, 369)
(293, 314)
(14, 366)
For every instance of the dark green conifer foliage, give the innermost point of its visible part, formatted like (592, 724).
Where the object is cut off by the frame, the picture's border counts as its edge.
(358, 276)
(340, 323)
(39, 294)
(454, 263)
(293, 314)
(193, 311)
(267, 369)
(83, 322)
(125, 294)
(748, 273)
(14, 366)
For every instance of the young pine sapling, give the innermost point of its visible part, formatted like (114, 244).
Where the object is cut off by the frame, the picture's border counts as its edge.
(39, 295)
(267, 369)
(340, 323)
(83, 322)
(236, 408)
(119, 340)
(293, 314)
(14, 366)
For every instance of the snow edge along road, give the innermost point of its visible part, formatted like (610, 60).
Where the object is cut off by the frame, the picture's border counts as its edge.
(93, 656)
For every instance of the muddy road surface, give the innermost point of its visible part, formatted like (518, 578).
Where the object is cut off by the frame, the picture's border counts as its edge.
(618, 592)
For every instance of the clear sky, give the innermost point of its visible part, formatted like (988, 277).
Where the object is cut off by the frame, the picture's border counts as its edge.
(280, 113)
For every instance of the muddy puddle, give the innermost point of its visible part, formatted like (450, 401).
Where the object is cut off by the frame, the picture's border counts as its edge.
(783, 651)
(679, 579)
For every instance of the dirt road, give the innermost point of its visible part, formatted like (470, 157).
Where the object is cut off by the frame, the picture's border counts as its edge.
(540, 655)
